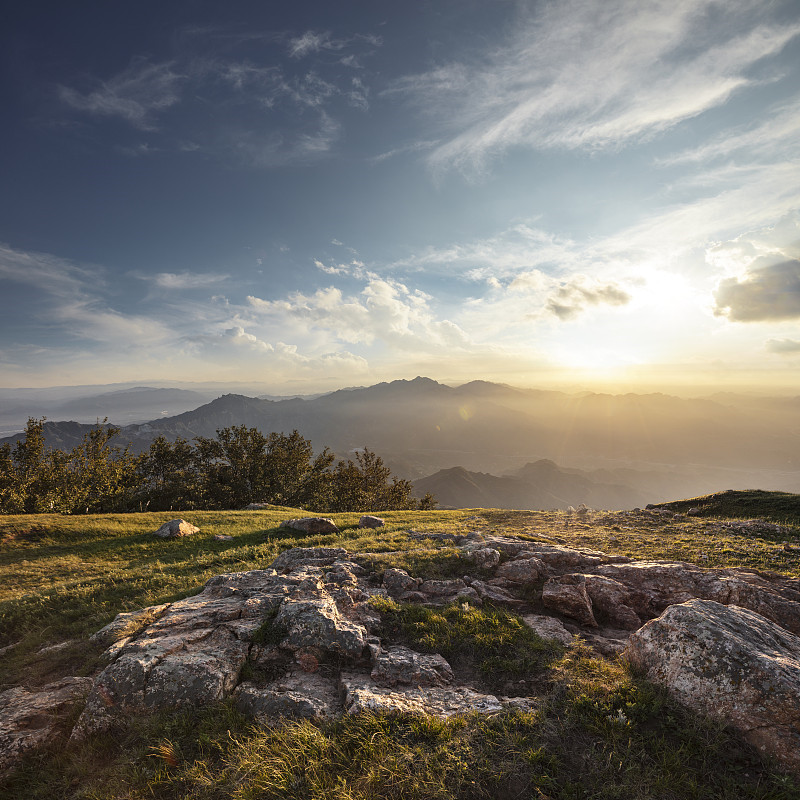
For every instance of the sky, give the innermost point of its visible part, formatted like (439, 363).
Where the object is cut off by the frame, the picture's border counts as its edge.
(311, 195)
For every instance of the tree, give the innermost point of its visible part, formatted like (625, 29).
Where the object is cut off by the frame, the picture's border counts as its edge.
(104, 476)
(169, 475)
(364, 485)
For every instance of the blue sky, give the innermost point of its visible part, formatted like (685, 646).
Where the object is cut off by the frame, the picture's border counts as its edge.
(319, 194)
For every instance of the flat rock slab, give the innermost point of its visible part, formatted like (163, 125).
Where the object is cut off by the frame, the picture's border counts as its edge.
(548, 628)
(732, 664)
(401, 665)
(363, 694)
(301, 694)
(29, 719)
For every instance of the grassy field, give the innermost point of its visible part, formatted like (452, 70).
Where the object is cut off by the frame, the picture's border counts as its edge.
(596, 729)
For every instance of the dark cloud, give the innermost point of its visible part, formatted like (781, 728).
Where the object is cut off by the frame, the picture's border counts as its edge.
(766, 293)
(783, 346)
(572, 297)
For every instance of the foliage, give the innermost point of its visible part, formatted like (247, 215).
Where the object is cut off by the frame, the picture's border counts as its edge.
(779, 507)
(239, 467)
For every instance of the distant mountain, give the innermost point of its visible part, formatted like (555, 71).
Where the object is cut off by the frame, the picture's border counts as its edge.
(657, 445)
(541, 484)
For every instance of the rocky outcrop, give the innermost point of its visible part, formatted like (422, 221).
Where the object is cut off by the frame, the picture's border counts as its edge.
(176, 528)
(30, 720)
(308, 636)
(732, 664)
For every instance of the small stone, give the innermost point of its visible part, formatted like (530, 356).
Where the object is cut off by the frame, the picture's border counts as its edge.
(368, 521)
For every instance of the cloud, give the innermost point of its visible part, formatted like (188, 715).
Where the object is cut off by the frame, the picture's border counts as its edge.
(577, 74)
(384, 311)
(324, 41)
(573, 296)
(238, 336)
(136, 94)
(783, 346)
(184, 280)
(762, 294)
(252, 105)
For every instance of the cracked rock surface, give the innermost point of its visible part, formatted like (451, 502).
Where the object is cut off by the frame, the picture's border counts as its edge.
(308, 636)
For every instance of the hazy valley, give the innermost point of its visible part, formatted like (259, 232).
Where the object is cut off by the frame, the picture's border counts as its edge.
(487, 444)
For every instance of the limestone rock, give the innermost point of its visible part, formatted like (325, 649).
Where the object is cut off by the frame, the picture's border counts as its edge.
(567, 594)
(298, 557)
(176, 528)
(126, 623)
(306, 695)
(485, 557)
(368, 521)
(398, 583)
(362, 694)
(611, 597)
(190, 655)
(548, 628)
(730, 663)
(29, 720)
(654, 585)
(311, 525)
(400, 665)
(316, 622)
(522, 570)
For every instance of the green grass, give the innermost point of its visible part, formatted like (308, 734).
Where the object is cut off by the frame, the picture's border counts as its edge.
(780, 507)
(598, 731)
(494, 643)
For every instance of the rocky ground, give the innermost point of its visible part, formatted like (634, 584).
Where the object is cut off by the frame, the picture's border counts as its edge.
(305, 637)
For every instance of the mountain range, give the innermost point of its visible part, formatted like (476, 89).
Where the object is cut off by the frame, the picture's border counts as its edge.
(495, 441)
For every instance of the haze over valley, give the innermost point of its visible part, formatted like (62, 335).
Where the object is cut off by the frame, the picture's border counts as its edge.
(493, 445)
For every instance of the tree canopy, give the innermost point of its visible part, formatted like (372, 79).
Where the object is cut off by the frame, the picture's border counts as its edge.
(239, 466)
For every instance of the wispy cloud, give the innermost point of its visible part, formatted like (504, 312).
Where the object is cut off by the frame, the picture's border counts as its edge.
(185, 280)
(578, 74)
(137, 94)
(278, 110)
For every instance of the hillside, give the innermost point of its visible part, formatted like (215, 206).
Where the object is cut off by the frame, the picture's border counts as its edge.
(542, 485)
(658, 445)
(595, 730)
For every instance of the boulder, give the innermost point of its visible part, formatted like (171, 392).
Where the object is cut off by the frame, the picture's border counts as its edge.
(654, 585)
(368, 521)
(31, 719)
(399, 665)
(176, 528)
(732, 664)
(567, 594)
(611, 598)
(311, 525)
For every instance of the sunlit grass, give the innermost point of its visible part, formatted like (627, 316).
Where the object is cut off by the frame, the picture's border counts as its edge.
(598, 731)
